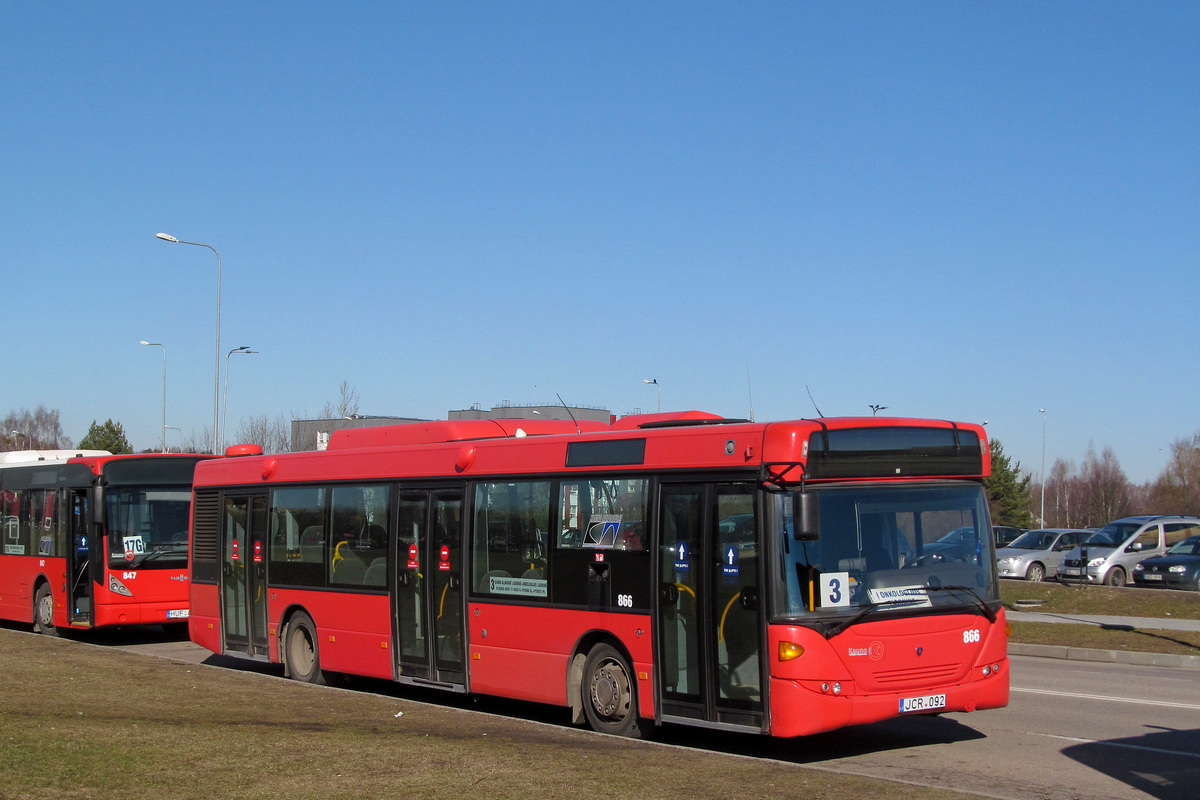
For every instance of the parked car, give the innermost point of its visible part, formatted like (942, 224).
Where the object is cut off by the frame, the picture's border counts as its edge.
(1114, 550)
(1005, 535)
(1035, 555)
(1178, 568)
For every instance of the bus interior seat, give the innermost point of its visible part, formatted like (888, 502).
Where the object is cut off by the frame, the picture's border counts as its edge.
(376, 574)
(492, 573)
(350, 570)
(535, 573)
(310, 544)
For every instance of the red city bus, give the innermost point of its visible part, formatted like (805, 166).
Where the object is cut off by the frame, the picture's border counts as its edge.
(783, 578)
(92, 539)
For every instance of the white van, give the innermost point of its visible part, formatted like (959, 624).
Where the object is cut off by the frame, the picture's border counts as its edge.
(1113, 550)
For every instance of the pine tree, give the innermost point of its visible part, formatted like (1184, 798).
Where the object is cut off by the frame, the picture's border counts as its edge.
(110, 436)
(1007, 490)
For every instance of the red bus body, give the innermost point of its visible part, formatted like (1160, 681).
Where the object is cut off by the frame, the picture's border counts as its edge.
(94, 540)
(650, 571)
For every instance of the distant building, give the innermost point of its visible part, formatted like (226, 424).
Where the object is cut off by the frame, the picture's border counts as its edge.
(313, 434)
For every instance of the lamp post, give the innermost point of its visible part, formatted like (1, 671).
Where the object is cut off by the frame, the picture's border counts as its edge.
(244, 349)
(166, 237)
(171, 428)
(654, 381)
(875, 409)
(28, 440)
(1043, 515)
(164, 416)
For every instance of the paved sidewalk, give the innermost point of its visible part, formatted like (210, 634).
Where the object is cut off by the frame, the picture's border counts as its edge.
(1107, 656)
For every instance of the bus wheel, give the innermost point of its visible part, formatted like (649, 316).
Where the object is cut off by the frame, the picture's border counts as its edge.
(609, 695)
(43, 611)
(303, 656)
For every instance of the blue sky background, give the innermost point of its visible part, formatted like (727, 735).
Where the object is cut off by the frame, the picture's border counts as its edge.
(962, 210)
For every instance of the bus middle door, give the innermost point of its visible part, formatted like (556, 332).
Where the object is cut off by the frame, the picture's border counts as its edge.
(243, 575)
(428, 608)
(709, 622)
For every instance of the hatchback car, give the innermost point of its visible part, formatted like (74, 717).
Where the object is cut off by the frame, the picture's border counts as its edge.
(1034, 555)
(1178, 568)
(1112, 551)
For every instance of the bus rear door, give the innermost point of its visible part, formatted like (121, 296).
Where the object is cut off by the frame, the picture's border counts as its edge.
(243, 574)
(428, 610)
(709, 631)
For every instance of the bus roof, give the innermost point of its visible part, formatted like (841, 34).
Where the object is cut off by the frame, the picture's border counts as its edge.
(31, 456)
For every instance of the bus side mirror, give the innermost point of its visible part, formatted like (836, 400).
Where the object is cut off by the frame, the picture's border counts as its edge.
(98, 506)
(808, 520)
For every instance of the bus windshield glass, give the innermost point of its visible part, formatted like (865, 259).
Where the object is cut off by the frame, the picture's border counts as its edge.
(147, 527)
(894, 549)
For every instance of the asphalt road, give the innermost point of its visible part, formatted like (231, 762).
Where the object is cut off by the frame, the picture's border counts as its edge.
(1072, 730)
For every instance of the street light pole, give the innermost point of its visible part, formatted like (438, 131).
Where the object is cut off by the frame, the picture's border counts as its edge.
(166, 237)
(1043, 521)
(225, 395)
(164, 404)
(654, 381)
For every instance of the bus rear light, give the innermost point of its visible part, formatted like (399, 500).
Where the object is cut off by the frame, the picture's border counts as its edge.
(789, 651)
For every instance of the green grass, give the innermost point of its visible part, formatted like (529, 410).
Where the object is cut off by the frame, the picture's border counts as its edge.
(79, 721)
(1101, 600)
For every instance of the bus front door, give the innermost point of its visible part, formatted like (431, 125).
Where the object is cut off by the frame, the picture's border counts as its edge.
(243, 575)
(709, 631)
(79, 559)
(428, 612)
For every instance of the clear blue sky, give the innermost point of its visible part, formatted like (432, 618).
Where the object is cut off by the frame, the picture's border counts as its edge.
(960, 210)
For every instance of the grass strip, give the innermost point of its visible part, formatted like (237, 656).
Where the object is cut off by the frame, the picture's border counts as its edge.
(1184, 643)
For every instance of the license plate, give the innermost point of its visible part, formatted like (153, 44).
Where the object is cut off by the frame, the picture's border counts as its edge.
(926, 703)
(178, 613)
(1070, 571)
(1150, 577)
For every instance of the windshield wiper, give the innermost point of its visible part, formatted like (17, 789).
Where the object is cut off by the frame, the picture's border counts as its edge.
(868, 609)
(983, 606)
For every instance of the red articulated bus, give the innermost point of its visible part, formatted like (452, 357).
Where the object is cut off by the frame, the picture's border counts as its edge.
(783, 578)
(92, 539)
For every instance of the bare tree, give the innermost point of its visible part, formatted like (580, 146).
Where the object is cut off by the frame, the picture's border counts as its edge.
(1108, 490)
(346, 405)
(271, 435)
(1177, 489)
(39, 429)
(197, 441)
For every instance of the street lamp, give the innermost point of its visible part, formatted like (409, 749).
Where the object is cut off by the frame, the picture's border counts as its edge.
(654, 381)
(164, 420)
(171, 428)
(875, 409)
(245, 349)
(28, 440)
(1042, 411)
(166, 237)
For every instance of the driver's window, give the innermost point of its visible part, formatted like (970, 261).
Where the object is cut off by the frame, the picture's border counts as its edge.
(1148, 539)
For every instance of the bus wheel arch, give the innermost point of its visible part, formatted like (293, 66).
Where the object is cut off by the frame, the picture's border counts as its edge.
(43, 608)
(299, 650)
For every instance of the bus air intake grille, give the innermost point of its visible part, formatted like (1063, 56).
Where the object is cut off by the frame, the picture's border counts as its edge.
(916, 677)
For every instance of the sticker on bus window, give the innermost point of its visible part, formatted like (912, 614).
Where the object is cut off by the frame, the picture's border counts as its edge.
(525, 587)
(835, 589)
(914, 596)
(602, 530)
(681, 557)
(729, 563)
(135, 545)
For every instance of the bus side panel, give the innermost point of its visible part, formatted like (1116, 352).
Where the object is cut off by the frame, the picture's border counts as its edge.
(204, 624)
(19, 574)
(523, 651)
(156, 593)
(354, 631)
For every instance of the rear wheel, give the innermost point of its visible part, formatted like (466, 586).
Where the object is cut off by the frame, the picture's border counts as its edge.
(1036, 572)
(43, 611)
(1115, 577)
(610, 695)
(303, 654)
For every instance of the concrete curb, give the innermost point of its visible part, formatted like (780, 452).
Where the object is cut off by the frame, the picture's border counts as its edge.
(1105, 656)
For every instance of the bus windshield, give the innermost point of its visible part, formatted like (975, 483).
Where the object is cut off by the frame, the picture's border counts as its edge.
(147, 527)
(894, 549)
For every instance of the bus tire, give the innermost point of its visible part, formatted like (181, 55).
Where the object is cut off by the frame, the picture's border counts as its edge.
(43, 611)
(610, 694)
(303, 654)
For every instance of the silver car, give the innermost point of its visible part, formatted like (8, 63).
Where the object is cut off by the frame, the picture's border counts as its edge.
(1034, 555)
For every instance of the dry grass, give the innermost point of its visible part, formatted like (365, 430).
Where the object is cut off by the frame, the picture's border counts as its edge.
(79, 721)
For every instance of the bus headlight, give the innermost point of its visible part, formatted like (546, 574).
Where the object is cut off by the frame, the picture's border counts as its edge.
(115, 585)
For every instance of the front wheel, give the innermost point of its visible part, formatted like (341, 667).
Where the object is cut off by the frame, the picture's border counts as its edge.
(43, 611)
(303, 654)
(610, 695)
(1036, 572)
(1115, 577)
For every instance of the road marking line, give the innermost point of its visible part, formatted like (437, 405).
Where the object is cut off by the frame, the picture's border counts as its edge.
(1109, 698)
(1121, 744)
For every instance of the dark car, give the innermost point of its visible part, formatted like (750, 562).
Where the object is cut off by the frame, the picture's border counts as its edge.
(1178, 568)
(1005, 535)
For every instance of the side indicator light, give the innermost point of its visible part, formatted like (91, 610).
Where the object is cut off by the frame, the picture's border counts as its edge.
(1008, 629)
(789, 651)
